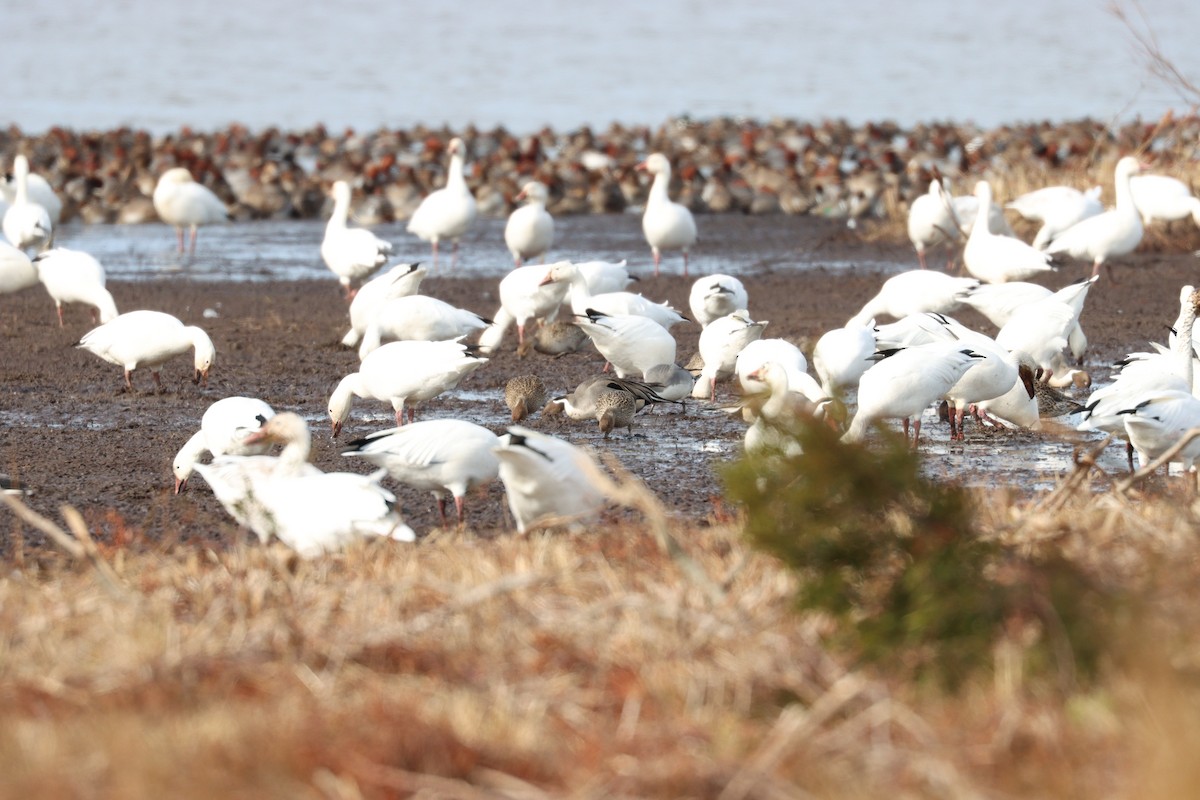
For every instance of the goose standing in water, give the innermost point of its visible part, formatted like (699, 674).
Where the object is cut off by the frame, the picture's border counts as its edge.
(350, 253)
(149, 339)
(37, 189)
(26, 223)
(529, 231)
(182, 202)
(666, 224)
(449, 212)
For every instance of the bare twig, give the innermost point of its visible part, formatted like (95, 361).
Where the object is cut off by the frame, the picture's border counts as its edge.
(1151, 53)
(1168, 456)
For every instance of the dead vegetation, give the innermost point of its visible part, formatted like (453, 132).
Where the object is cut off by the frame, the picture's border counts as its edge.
(639, 660)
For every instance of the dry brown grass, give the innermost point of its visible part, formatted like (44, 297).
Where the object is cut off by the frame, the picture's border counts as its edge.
(658, 660)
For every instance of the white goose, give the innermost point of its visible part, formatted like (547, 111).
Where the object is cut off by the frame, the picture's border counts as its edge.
(1158, 422)
(999, 259)
(1041, 330)
(17, 271)
(782, 354)
(437, 455)
(449, 212)
(223, 431)
(401, 280)
(610, 303)
(182, 202)
(904, 384)
(720, 343)
(716, 296)
(547, 480)
(403, 372)
(523, 296)
(1163, 198)
(73, 276)
(350, 253)
(842, 355)
(26, 223)
(311, 512)
(529, 231)
(631, 343)
(666, 224)
(37, 188)
(999, 301)
(1057, 208)
(149, 339)
(605, 276)
(931, 220)
(418, 317)
(914, 292)
(783, 410)
(1112, 234)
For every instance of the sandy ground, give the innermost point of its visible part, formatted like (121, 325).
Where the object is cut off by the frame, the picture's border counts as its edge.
(71, 431)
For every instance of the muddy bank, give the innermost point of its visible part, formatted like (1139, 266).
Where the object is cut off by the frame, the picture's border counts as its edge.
(70, 431)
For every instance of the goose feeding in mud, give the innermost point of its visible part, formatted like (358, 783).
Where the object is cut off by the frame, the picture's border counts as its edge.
(523, 297)
(547, 480)
(148, 339)
(1057, 208)
(224, 427)
(611, 303)
(401, 280)
(418, 317)
(914, 292)
(631, 343)
(720, 343)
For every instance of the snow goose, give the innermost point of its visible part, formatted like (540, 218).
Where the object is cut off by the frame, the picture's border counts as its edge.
(999, 259)
(352, 254)
(605, 276)
(1160, 197)
(914, 292)
(418, 317)
(1159, 421)
(783, 410)
(1041, 329)
(446, 213)
(1112, 234)
(182, 202)
(999, 301)
(783, 354)
(524, 395)
(17, 271)
(37, 189)
(610, 303)
(401, 280)
(316, 513)
(404, 372)
(720, 343)
(905, 382)
(26, 223)
(529, 231)
(437, 455)
(149, 339)
(73, 276)
(631, 343)
(666, 224)
(523, 296)
(223, 430)
(842, 355)
(580, 404)
(931, 220)
(716, 296)
(1057, 208)
(548, 481)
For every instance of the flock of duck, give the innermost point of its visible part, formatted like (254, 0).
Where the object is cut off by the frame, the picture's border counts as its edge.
(413, 348)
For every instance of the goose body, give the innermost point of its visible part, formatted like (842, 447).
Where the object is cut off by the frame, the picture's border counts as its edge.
(915, 292)
(438, 455)
(148, 339)
(842, 355)
(449, 212)
(523, 297)
(611, 303)
(223, 431)
(26, 223)
(1155, 424)
(17, 270)
(37, 189)
(73, 276)
(666, 224)
(529, 231)
(604, 276)
(548, 480)
(181, 202)
(418, 317)
(721, 341)
(352, 254)
(1163, 198)
(401, 280)
(1109, 235)
(931, 220)
(1057, 208)
(403, 372)
(999, 259)
(631, 343)
(780, 413)
(715, 296)
(905, 383)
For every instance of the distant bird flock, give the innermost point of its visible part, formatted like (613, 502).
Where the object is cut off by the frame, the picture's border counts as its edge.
(900, 354)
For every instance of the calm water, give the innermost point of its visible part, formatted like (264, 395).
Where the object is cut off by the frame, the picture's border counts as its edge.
(159, 65)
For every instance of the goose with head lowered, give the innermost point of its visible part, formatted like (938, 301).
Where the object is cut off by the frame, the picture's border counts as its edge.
(223, 431)
(523, 297)
(183, 203)
(418, 317)
(548, 481)
(631, 343)
(1057, 208)
(610, 303)
(404, 373)
(148, 339)
(449, 212)
(352, 254)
